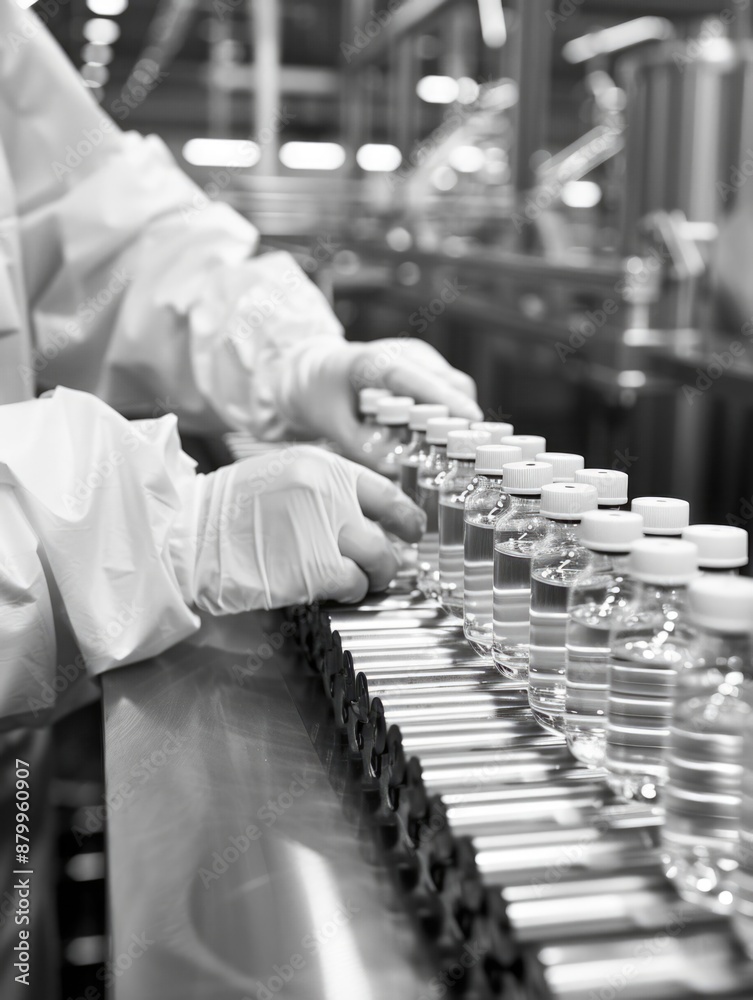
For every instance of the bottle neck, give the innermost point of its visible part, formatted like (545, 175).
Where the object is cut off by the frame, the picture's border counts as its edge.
(611, 505)
(719, 571)
(395, 433)
(526, 501)
(662, 534)
(462, 468)
(368, 419)
(417, 440)
(488, 479)
(438, 451)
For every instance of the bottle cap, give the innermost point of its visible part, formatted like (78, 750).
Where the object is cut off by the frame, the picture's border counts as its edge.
(720, 546)
(567, 501)
(663, 560)
(612, 486)
(421, 412)
(437, 428)
(393, 411)
(367, 400)
(529, 444)
(497, 431)
(724, 603)
(491, 459)
(662, 515)
(610, 530)
(564, 464)
(463, 444)
(527, 478)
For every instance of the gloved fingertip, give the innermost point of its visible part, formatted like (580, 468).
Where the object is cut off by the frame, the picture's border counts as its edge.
(463, 406)
(409, 522)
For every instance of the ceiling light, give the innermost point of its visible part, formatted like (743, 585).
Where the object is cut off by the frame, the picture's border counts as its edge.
(221, 152)
(378, 156)
(312, 155)
(437, 89)
(101, 31)
(107, 8)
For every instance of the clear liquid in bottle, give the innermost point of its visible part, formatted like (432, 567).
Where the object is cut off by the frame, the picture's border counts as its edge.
(478, 581)
(451, 539)
(511, 604)
(546, 668)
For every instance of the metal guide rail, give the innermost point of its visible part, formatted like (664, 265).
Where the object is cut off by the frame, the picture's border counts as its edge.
(553, 883)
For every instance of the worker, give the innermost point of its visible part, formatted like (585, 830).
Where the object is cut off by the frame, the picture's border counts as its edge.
(115, 289)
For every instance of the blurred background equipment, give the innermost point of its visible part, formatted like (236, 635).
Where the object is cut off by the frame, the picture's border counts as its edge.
(553, 193)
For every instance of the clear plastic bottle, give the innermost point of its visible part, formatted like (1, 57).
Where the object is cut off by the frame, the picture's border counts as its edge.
(563, 463)
(392, 416)
(722, 548)
(459, 483)
(713, 703)
(558, 561)
(367, 400)
(611, 485)
(516, 535)
(495, 429)
(742, 877)
(417, 451)
(663, 517)
(596, 601)
(482, 509)
(530, 445)
(649, 646)
(430, 476)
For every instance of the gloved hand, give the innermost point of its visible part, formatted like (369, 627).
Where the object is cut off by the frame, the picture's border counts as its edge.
(291, 526)
(319, 385)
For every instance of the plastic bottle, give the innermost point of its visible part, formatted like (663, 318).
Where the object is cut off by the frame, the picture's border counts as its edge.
(417, 451)
(596, 601)
(563, 463)
(459, 483)
(482, 509)
(721, 547)
(367, 400)
(392, 415)
(742, 877)
(713, 702)
(529, 444)
(495, 429)
(557, 562)
(430, 476)
(611, 485)
(665, 517)
(650, 645)
(516, 534)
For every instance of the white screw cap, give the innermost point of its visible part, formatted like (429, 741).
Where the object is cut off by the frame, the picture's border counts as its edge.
(437, 428)
(367, 399)
(567, 501)
(669, 561)
(530, 444)
(422, 412)
(393, 411)
(496, 430)
(610, 530)
(723, 603)
(564, 463)
(463, 444)
(662, 515)
(720, 546)
(492, 458)
(611, 485)
(527, 478)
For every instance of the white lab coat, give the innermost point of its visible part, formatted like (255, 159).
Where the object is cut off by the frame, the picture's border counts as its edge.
(120, 278)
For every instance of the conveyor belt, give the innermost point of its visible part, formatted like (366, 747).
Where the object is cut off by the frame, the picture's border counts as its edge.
(554, 882)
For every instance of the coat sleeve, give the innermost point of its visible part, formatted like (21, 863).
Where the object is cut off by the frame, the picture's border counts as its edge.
(141, 288)
(91, 508)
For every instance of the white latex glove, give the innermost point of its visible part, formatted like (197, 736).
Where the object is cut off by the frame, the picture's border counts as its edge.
(291, 526)
(319, 383)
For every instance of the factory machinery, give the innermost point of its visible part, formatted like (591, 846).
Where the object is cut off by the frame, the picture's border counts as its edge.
(532, 879)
